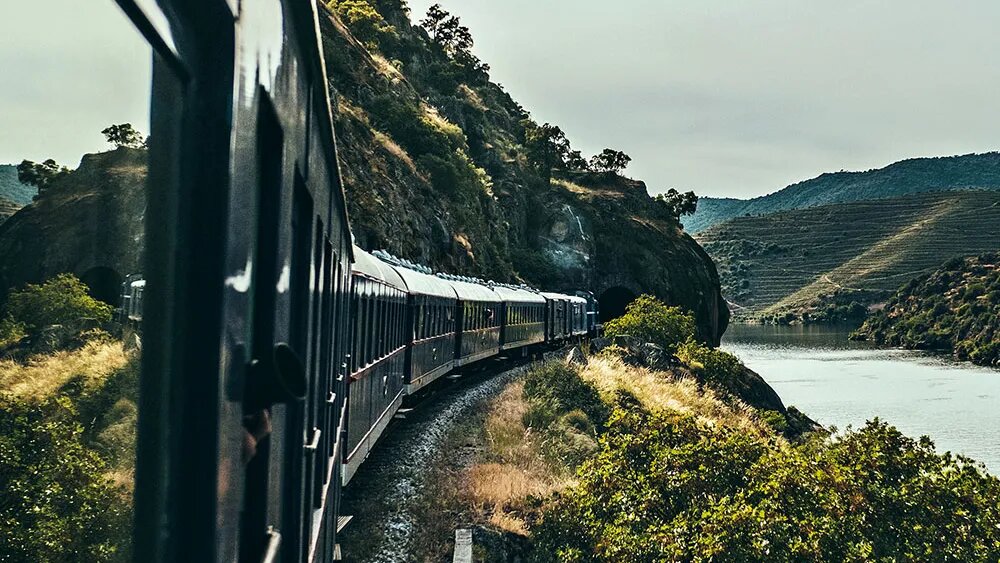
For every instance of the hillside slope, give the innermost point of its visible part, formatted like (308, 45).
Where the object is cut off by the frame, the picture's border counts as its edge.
(918, 175)
(955, 308)
(13, 190)
(436, 169)
(804, 260)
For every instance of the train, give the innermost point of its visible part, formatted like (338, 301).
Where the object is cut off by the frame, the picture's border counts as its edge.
(275, 351)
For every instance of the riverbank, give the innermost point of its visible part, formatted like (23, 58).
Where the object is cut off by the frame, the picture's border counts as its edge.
(606, 461)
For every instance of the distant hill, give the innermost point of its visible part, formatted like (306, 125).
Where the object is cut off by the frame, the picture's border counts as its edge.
(808, 260)
(955, 308)
(918, 175)
(11, 189)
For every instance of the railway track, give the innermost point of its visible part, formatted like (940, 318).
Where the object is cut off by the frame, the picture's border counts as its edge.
(384, 498)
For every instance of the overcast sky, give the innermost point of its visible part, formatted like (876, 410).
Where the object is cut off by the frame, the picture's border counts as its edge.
(734, 98)
(741, 98)
(68, 69)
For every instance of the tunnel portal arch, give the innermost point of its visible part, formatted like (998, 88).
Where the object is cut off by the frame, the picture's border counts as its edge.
(105, 284)
(613, 302)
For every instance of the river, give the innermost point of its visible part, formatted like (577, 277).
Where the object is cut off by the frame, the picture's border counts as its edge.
(841, 383)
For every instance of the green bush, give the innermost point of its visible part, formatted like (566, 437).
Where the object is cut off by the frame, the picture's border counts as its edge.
(56, 503)
(711, 364)
(560, 390)
(365, 22)
(651, 320)
(664, 487)
(62, 300)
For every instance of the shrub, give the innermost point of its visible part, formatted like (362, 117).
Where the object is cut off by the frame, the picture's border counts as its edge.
(664, 487)
(56, 503)
(651, 320)
(713, 365)
(558, 389)
(62, 300)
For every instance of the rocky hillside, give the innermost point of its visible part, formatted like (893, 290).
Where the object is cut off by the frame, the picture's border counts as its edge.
(907, 177)
(88, 223)
(955, 308)
(831, 262)
(436, 166)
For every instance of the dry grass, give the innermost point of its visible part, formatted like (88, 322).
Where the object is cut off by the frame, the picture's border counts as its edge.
(660, 390)
(387, 68)
(513, 468)
(393, 148)
(41, 376)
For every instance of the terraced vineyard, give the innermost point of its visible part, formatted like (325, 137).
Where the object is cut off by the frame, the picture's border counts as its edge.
(863, 251)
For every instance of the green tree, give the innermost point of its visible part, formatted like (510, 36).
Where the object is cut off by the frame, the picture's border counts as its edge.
(40, 175)
(62, 300)
(56, 503)
(124, 135)
(364, 21)
(651, 320)
(547, 147)
(675, 204)
(610, 161)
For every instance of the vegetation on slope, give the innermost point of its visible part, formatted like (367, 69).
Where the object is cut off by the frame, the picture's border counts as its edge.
(611, 461)
(907, 177)
(11, 188)
(443, 167)
(832, 262)
(68, 393)
(955, 308)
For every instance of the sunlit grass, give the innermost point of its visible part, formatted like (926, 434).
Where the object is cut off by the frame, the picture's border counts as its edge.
(43, 375)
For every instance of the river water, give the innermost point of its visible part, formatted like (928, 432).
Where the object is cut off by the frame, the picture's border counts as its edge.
(840, 383)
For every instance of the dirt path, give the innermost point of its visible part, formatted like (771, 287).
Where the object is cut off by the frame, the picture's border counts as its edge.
(385, 496)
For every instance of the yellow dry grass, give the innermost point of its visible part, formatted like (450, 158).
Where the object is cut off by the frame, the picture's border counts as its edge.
(393, 148)
(660, 390)
(41, 376)
(514, 468)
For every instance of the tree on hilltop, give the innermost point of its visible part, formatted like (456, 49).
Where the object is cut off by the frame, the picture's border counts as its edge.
(547, 146)
(124, 135)
(40, 174)
(611, 161)
(676, 204)
(454, 39)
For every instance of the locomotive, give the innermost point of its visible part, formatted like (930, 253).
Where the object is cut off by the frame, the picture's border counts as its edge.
(257, 310)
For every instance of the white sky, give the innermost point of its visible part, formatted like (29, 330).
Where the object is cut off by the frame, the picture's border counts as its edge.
(743, 97)
(735, 98)
(68, 69)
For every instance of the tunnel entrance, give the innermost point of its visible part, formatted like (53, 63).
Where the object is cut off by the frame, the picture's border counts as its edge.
(105, 284)
(614, 301)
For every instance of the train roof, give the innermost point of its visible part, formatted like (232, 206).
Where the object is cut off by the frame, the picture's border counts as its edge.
(563, 297)
(473, 291)
(419, 283)
(517, 295)
(367, 265)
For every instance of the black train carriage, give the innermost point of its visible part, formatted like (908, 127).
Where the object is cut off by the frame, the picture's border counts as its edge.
(378, 355)
(593, 313)
(431, 323)
(247, 259)
(523, 313)
(556, 315)
(577, 315)
(478, 313)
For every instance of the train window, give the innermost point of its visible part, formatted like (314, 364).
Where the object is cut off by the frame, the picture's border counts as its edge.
(73, 189)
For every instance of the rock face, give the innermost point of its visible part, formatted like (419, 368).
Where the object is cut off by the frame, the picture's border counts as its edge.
(435, 167)
(88, 223)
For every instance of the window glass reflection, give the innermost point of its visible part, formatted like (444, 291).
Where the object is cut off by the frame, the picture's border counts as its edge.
(73, 159)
